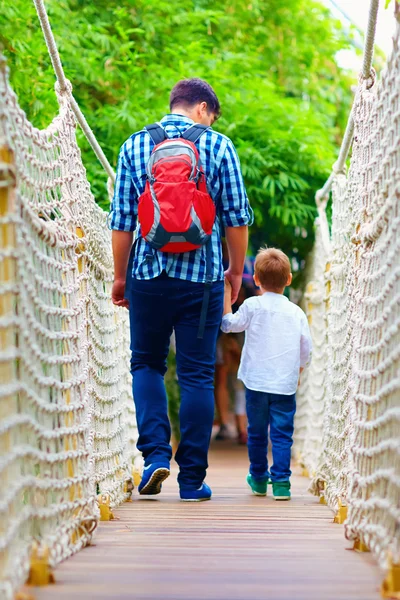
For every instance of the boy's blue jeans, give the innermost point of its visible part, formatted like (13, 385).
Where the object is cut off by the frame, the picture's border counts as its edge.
(156, 307)
(277, 411)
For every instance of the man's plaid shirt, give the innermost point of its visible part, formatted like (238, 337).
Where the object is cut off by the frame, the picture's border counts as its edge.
(225, 185)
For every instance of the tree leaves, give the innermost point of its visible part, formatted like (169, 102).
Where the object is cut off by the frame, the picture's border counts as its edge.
(284, 100)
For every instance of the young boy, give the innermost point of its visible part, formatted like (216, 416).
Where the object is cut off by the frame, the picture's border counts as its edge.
(276, 349)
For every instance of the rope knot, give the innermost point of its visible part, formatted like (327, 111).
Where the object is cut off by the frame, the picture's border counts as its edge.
(65, 89)
(338, 170)
(369, 81)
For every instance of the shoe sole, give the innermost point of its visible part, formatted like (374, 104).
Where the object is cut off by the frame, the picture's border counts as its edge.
(255, 493)
(153, 486)
(195, 499)
(281, 497)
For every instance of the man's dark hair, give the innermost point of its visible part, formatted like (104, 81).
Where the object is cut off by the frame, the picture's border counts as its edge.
(189, 92)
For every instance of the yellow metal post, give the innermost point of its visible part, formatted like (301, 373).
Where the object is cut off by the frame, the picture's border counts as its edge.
(106, 513)
(321, 489)
(137, 477)
(40, 573)
(391, 585)
(341, 514)
(359, 546)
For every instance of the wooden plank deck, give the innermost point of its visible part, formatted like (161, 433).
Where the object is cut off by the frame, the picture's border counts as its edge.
(236, 547)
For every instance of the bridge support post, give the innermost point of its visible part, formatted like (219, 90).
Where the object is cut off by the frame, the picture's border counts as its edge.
(359, 546)
(341, 514)
(391, 585)
(106, 513)
(40, 573)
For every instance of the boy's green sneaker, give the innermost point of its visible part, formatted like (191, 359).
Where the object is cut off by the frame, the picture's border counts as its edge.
(281, 490)
(259, 488)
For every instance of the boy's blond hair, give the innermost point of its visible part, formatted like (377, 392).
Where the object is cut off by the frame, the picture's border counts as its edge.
(272, 267)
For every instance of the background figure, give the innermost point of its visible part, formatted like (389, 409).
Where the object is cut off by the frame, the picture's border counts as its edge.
(221, 390)
(229, 350)
(234, 347)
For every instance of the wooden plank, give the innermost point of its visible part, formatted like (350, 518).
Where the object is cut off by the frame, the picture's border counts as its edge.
(236, 547)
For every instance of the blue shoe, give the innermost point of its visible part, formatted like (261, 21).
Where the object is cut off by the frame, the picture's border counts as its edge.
(199, 495)
(153, 476)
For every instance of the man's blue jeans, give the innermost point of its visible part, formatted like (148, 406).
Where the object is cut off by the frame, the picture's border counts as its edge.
(156, 307)
(277, 412)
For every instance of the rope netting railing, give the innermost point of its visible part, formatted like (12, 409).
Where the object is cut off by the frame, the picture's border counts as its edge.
(353, 304)
(311, 395)
(67, 422)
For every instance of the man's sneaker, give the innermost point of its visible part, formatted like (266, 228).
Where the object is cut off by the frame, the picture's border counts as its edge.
(281, 490)
(259, 488)
(199, 495)
(152, 478)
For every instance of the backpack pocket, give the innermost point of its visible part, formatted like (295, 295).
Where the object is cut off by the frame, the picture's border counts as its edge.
(146, 215)
(205, 210)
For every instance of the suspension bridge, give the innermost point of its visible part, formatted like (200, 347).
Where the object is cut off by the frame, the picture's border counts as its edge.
(69, 464)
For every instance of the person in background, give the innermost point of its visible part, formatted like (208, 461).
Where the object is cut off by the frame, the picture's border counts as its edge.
(221, 390)
(234, 345)
(277, 347)
(228, 359)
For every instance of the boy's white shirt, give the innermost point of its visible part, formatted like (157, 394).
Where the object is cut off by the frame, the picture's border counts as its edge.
(277, 344)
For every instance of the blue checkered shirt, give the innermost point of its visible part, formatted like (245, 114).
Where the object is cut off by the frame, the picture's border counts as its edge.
(225, 185)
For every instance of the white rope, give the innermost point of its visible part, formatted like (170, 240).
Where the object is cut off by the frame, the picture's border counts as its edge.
(65, 87)
(366, 73)
(366, 70)
(67, 424)
(355, 378)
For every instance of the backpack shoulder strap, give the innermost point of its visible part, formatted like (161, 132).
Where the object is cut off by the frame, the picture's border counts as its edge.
(194, 133)
(156, 132)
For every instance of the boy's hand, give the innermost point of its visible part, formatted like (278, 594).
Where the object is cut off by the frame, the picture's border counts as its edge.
(227, 296)
(235, 282)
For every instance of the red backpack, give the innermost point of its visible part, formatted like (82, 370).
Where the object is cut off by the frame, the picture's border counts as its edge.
(176, 213)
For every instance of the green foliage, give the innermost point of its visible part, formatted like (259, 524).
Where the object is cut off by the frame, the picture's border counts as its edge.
(272, 65)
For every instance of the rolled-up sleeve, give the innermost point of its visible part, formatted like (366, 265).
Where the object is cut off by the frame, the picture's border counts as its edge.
(235, 207)
(123, 214)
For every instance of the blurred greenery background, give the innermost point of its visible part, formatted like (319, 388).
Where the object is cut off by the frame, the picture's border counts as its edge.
(284, 99)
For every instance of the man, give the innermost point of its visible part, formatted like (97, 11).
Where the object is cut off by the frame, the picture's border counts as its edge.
(165, 292)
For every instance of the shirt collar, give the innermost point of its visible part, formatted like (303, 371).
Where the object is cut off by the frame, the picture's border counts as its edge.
(275, 294)
(174, 118)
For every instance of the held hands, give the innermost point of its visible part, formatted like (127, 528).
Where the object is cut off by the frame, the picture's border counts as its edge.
(227, 297)
(118, 292)
(235, 282)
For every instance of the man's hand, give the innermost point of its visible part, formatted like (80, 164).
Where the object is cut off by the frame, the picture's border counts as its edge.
(117, 294)
(236, 240)
(236, 283)
(121, 245)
